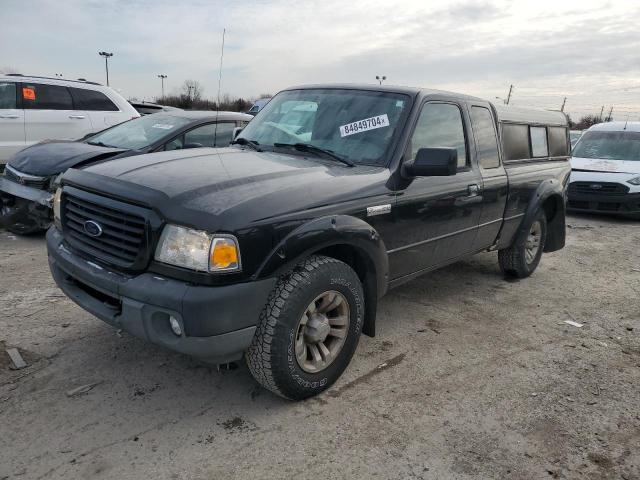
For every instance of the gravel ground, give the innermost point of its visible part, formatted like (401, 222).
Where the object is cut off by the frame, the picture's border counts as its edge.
(470, 376)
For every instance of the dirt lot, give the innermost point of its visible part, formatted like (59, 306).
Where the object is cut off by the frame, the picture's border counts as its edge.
(470, 376)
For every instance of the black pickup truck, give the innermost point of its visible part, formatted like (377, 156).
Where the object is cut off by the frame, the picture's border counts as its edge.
(279, 246)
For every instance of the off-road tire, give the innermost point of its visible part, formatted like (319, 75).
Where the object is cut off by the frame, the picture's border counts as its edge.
(271, 357)
(513, 261)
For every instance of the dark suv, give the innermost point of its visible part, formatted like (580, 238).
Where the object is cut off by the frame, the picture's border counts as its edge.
(280, 246)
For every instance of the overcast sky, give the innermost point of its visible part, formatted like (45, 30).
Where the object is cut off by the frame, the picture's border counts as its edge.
(586, 50)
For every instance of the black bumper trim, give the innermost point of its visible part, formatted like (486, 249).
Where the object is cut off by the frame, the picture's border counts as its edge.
(624, 204)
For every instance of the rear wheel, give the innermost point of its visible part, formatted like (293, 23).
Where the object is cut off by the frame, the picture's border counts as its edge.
(309, 329)
(522, 258)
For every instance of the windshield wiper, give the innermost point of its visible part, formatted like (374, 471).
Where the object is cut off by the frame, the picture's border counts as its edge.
(249, 143)
(100, 144)
(307, 147)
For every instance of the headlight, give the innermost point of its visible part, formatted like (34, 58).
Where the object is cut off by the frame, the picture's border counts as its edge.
(634, 181)
(56, 208)
(198, 250)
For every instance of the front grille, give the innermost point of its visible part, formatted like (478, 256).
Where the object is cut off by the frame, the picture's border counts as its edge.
(598, 188)
(122, 240)
(23, 179)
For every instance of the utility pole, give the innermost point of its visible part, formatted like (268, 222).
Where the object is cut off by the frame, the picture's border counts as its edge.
(563, 104)
(106, 56)
(381, 79)
(610, 112)
(162, 77)
(601, 112)
(509, 95)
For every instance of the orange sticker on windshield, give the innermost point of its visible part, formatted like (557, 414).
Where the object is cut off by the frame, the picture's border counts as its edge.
(28, 93)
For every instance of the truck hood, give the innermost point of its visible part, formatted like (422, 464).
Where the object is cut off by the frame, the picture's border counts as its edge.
(53, 157)
(603, 165)
(243, 184)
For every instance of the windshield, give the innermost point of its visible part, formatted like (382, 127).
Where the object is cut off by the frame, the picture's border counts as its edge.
(609, 146)
(139, 133)
(358, 125)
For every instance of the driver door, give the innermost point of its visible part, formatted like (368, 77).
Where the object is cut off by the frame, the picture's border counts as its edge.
(436, 218)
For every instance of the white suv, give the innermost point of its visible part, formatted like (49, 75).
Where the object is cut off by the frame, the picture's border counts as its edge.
(38, 108)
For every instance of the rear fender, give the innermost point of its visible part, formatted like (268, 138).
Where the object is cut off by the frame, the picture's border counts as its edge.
(550, 196)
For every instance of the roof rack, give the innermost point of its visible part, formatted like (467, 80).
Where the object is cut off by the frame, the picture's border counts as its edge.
(80, 80)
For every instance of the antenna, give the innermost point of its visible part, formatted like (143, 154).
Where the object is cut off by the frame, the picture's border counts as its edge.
(509, 95)
(215, 130)
(563, 104)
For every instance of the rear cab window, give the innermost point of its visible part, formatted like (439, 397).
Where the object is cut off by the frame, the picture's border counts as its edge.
(36, 96)
(484, 132)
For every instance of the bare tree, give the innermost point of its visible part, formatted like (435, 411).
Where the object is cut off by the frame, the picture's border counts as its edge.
(192, 89)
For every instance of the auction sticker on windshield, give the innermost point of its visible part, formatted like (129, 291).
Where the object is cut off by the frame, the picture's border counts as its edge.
(162, 126)
(364, 125)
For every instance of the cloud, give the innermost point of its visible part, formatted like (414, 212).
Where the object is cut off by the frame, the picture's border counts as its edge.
(586, 50)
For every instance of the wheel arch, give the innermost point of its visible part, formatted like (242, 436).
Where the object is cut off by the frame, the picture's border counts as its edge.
(550, 198)
(345, 238)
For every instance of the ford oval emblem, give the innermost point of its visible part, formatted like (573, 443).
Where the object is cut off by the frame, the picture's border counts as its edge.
(596, 186)
(93, 229)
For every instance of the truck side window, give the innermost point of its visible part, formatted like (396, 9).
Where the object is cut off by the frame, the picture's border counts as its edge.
(440, 125)
(485, 134)
(558, 146)
(515, 142)
(539, 146)
(8, 95)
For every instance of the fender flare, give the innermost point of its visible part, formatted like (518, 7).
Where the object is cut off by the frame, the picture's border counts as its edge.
(336, 231)
(556, 229)
(324, 232)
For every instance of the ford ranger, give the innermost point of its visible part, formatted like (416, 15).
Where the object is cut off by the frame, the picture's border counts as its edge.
(279, 247)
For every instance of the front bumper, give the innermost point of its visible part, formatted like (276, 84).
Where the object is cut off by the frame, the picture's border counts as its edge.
(218, 323)
(43, 197)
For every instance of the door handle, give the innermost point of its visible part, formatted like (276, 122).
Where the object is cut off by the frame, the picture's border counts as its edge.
(9, 116)
(473, 190)
(77, 117)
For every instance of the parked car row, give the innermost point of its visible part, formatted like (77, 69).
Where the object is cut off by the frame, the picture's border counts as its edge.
(277, 245)
(27, 187)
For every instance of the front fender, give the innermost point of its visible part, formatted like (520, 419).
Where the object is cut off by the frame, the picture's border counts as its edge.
(330, 231)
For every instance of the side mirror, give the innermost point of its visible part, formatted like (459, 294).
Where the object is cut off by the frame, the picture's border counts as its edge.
(192, 145)
(236, 132)
(433, 162)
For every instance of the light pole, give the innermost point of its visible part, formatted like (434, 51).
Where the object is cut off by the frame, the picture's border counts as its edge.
(162, 77)
(381, 79)
(106, 56)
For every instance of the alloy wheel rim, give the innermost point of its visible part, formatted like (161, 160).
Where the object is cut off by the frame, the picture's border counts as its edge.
(532, 244)
(322, 331)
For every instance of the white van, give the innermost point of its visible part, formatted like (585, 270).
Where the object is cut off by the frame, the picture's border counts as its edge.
(39, 108)
(605, 170)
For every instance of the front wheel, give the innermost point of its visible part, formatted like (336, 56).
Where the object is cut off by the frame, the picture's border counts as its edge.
(522, 258)
(309, 329)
